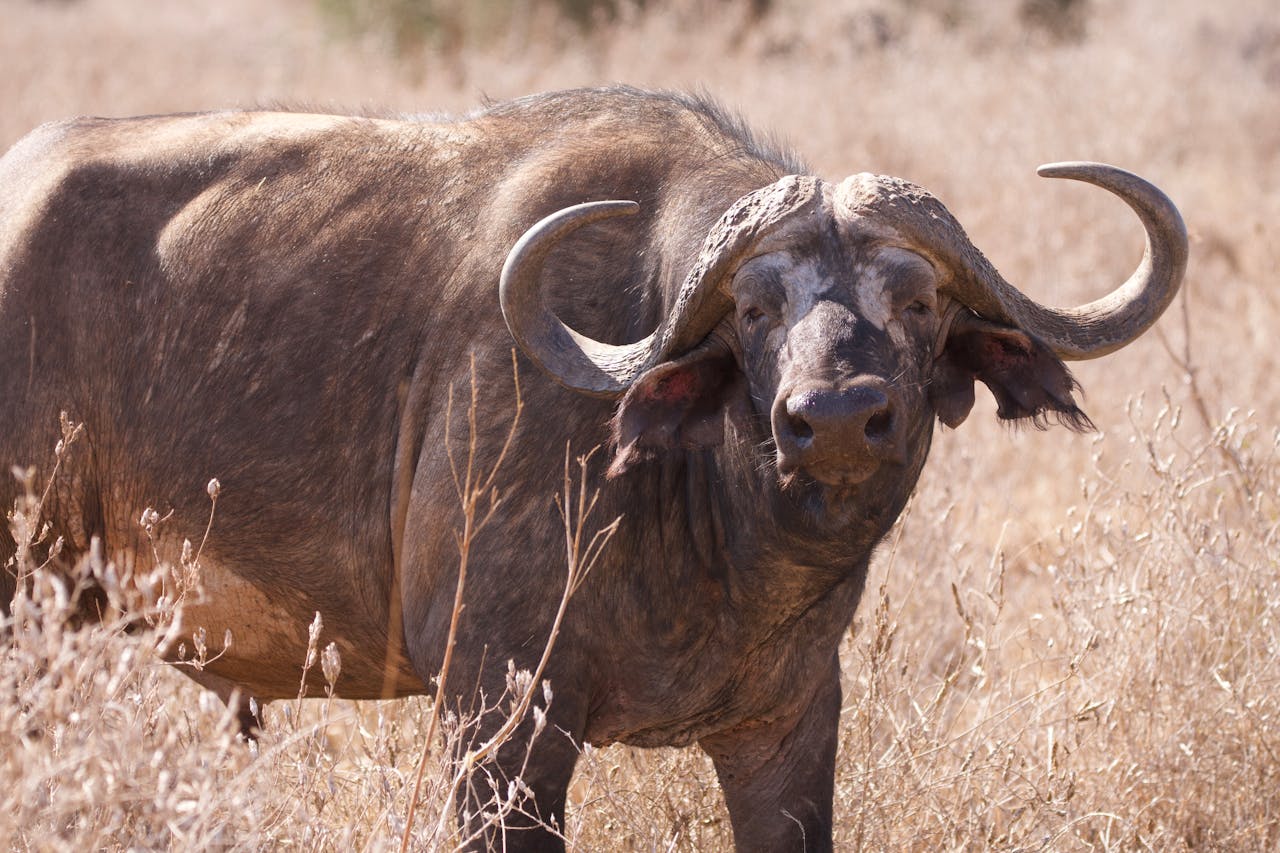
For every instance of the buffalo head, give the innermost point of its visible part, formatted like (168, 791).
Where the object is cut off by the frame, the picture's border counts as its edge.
(845, 317)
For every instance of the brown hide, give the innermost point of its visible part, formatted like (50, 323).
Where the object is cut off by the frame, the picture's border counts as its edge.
(282, 301)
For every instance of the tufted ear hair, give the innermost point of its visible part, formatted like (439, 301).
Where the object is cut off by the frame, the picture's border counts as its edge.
(1026, 378)
(678, 404)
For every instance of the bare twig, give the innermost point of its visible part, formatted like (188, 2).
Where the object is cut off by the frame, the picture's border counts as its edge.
(1185, 362)
(580, 562)
(470, 494)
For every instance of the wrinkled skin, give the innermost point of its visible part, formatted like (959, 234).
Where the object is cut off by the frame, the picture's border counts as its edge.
(283, 302)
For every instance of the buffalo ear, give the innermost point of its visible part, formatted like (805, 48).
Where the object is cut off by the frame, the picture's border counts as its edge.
(1025, 377)
(677, 404)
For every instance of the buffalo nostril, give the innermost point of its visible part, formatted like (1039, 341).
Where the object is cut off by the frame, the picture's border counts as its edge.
(797, 419)
(879, 426)
(848, 429)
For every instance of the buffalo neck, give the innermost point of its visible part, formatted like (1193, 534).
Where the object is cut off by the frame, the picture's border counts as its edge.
(718, 520)
(745, 587)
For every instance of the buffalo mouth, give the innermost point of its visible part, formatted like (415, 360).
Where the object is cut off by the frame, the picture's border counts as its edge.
(835, 486)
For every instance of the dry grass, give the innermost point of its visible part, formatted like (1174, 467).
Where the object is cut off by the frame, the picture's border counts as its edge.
(1070, 642)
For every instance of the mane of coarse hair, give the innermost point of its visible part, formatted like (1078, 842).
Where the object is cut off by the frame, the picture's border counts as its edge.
(724, 123)
(732, 124)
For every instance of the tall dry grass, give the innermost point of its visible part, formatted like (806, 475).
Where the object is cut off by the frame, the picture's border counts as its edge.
(1069, 643)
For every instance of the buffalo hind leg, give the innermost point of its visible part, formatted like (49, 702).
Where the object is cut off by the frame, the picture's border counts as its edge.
(233, 696)
(779, 779)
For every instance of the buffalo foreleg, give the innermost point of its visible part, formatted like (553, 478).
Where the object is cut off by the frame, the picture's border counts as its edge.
(778, 777)
(497, 812)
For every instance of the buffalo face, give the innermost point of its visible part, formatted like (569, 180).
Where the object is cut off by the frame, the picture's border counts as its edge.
(837, 341)
(839, 347)
(832, 322)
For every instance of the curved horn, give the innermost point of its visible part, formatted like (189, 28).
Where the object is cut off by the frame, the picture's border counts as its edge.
(1109, 323)
(607, 370)
(1087, 331)
(574, 360)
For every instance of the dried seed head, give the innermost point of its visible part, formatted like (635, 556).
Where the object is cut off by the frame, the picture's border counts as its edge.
(313, 637)
(331, 663)
(198, 639)
(213, 488)
(524, 682)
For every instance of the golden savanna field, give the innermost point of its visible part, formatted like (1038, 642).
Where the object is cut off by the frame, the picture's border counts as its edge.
(1069, 642)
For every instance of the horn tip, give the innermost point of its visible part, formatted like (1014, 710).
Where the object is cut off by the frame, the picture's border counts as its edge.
(621, 207)
(1077, 169)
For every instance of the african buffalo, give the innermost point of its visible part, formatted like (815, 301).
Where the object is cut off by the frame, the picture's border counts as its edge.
(283, 301)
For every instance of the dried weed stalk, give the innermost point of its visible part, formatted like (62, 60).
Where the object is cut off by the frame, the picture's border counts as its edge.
(480, 498)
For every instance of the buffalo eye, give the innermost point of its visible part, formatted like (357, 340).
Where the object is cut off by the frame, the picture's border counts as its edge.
(751, 316)
(919, 309)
